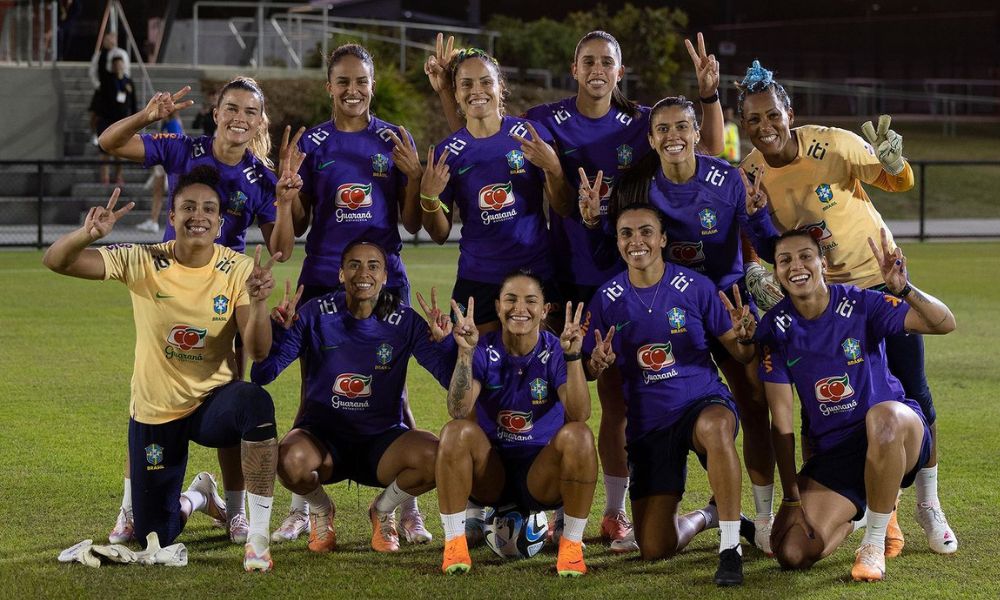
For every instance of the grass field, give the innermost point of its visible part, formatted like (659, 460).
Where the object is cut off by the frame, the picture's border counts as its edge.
(66, 350)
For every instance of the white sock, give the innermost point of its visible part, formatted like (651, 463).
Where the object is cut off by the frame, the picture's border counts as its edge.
(259, 509)
(614, 489)
(127, 495)
(235, 503)
(875, 529)
(763, 500)
(474, 511)
(298, 503)
(729, 536)
(410, 505)
(197, 500)
(926, 482)
(318, 501)
(390, 498)
(711, 513)
(454, 525)
(862, 522)
(573, 528)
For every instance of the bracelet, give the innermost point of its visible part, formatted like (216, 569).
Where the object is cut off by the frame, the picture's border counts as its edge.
(590, 224)
(572, 357)
(710, 99)
(440, 205)
(903, 292)
(791, 503)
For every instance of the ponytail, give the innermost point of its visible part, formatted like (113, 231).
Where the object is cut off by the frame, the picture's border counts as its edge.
(632, 187)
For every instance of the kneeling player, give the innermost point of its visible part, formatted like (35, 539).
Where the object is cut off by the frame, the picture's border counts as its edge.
(356, 345)
(869, 439)
(530, 444)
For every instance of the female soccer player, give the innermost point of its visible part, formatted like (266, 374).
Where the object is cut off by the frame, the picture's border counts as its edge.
(357, 343)
(707, 206)
(659, 318)
(529, 443)
(868, 438)
(494, 171)
(247, 191)
(360, 176)
(814, 177)
(195, 295)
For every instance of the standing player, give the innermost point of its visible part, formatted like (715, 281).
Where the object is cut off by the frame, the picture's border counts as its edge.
(495, 170)
(196, 295)
(361, 177)
(357, 343)
(814, 176)
(868, 438)
(529, 444)
(707, 207)
(598, 130)
(659, 318)
(239, 152)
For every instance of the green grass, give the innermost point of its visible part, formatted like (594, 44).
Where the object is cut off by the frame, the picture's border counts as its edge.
(66, 350)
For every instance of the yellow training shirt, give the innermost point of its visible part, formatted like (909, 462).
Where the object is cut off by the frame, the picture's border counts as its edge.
(184, 324)
(821, 191)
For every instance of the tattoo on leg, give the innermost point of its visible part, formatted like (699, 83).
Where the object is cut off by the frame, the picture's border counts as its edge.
(260, 459)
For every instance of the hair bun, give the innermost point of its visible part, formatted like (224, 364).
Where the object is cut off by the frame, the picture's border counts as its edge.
(757, 76)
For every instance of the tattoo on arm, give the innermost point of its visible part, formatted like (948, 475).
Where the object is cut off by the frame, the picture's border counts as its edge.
(461, 383)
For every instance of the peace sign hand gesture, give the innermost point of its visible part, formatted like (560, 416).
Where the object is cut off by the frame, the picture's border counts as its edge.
(892, 264)
(465, 332)
(286, 313)
(404, 154)
(571, 339)
(744, 323)
(603, 355)
(537, 151)
(757, 197)
(101, 220)
(706, 67)
(436, 174)
(261, 281)
(290, 158)
(590, 198)
(163, 103)
(887, 143)
(437, 319)
(436, 67)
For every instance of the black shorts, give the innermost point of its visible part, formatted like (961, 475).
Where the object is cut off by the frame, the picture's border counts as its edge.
(486, 295)
(158, 453)
(842, 468)
(354, 457)
(516, 464)
(657, 462)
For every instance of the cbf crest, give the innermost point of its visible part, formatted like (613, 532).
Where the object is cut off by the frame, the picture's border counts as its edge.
(154, 454)
(220, 304)
(237, 202)
(677, 318)
(515, 160)
(624, 156)
(380, 165)
(824, 193)
(383, 354)
(539, 390)
(708, 219)
(852, 350)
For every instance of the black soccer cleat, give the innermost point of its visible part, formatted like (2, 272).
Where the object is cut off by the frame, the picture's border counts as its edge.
(730, 570)
(748, 530)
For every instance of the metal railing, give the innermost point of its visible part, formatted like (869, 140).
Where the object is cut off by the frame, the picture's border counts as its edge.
(41, 200)
(28, 34)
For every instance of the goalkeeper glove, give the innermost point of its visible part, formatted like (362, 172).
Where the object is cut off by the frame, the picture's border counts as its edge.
(762, 286)
(887, 143)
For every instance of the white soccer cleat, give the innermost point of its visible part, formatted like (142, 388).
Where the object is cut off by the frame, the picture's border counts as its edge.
(124, 529)
(412, 524)
(239, 528)
(294, 525)
(762, 534)
(257, 555)
(625, 544)
(204, 484)
(940, 537)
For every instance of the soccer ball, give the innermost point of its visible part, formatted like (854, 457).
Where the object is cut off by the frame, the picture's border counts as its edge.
(512, 535)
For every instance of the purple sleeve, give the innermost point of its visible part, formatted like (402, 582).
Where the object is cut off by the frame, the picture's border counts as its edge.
(758, 227)
(286, 346)
(557, 368)
(717, 319)
(437, 357)
(448, 194)
(479, 361)
(168, 150)
(544, 133)
(266, 212)
(773, 368)
(886, 313)
(593, 320)
(306, 171)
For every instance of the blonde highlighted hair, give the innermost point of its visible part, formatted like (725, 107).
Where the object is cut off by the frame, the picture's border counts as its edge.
(260, 145)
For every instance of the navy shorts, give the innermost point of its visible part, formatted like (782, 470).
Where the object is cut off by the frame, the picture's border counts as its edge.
(516, 464)
(657, 462)
(486, 295)
(158, 453)
(354, 457)
(842, 468)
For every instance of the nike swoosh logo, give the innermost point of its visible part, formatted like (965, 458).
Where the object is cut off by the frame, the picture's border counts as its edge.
(569, 151)
(160, 296)
(464, 169)
(328, 347)
(620, 326)
(791, 363)
(494, 387)
(325, 165)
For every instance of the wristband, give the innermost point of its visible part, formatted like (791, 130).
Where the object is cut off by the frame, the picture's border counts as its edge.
(791, 503)
(710, 99)
(572, 357)
(903, 293)
(440, 205)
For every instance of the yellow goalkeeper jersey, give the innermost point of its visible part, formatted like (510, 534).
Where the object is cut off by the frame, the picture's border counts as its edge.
(184, 325)
(821, 191)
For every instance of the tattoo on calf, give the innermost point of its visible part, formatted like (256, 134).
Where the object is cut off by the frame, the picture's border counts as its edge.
(260, 459)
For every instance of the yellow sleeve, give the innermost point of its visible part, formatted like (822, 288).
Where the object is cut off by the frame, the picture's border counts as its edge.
(118, 258)
(240, 275)
(866, 167)
(895, 183)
